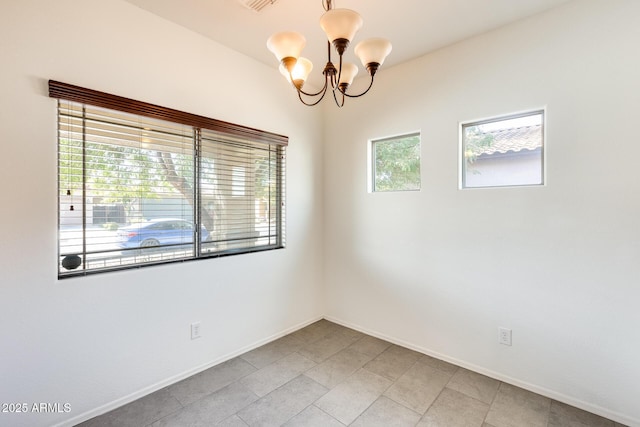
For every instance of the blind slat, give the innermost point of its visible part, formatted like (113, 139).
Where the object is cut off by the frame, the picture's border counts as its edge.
(82, 95)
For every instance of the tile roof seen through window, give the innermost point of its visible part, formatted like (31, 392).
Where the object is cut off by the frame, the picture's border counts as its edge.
(513, 139)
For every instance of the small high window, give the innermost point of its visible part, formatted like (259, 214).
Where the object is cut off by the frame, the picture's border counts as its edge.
(395, 163)
(503, 151)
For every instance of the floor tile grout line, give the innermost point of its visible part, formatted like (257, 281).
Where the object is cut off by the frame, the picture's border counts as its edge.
(325, 412)
(115, 418)
(493, 399)
(278, 388)
(276, 360)
(434, 401)
(328, 391)
(394, 382)
(371, 404)
(351, 375)
(168, 415)
(183, 406)
(549, 412)
(257, 368)
(214, 391)
(442, 390)
(312, 403)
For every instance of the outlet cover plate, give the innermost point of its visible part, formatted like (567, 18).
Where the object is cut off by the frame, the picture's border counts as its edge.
(504, 336)
(195, 330)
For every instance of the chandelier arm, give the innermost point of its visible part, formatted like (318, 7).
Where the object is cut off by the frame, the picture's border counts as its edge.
(334, 82)
(359, 95)
(335, 85)
(324, 89)
(313, 103)
(340, 105)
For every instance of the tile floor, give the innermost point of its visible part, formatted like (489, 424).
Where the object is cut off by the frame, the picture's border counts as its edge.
(327, 375)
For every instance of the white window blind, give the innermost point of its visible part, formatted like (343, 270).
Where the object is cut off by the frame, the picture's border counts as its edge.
(135, 190)
(241, 191)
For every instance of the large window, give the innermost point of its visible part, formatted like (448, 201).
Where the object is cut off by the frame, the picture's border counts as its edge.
(503, 151)
(395, 163)
(135, 189)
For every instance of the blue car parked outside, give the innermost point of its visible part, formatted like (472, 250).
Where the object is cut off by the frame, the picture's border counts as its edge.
(158, 232)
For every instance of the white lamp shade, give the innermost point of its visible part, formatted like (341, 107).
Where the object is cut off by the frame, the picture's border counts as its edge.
(373, 50)
(340, 24)
(286, 44)
(300, 72)
(348, 73)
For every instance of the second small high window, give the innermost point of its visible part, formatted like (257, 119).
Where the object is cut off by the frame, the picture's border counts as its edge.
(503, 151)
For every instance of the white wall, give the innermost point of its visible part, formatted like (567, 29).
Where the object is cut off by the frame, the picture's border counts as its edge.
(442, 269)
(104, 339)
(505, 169)
(557, 264)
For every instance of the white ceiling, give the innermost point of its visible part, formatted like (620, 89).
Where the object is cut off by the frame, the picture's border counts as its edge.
(414, 27)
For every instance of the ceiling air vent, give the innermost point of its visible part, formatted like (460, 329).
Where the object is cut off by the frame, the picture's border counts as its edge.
(256, 5)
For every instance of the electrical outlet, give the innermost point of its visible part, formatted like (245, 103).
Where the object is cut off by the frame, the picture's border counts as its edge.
(504, 336)
(195, 330)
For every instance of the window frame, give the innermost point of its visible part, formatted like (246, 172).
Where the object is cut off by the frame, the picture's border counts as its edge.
(462, 163)
(372, 167)
(229, 132)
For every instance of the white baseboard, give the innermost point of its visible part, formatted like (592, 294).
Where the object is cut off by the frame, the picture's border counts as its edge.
(176, 378)
(615, 416)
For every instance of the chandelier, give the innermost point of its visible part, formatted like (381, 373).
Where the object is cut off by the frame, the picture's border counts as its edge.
(340, 26)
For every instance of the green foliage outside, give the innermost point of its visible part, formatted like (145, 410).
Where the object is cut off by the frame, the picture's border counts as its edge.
(475, 142)
(126, 175)
(114, 174)
(397, 164)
